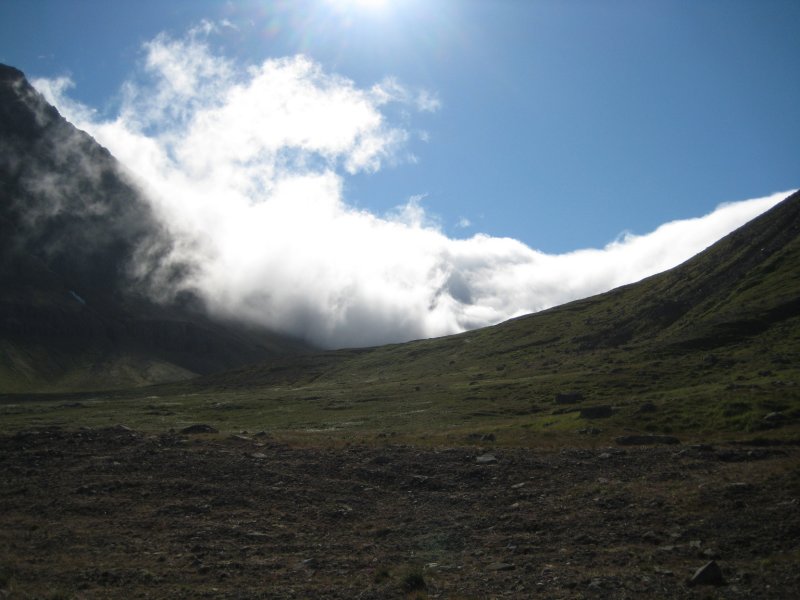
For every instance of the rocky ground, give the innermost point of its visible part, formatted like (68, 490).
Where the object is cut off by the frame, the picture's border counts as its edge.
(113, 513)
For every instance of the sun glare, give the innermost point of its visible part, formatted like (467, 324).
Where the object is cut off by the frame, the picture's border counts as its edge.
(368, 4)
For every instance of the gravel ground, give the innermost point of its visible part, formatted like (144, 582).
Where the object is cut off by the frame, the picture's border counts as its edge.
(113, 513)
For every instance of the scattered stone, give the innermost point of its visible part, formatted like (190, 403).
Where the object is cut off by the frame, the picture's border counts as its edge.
(646, 440)
(702, 447)
(590, 431)
(261, 434)
(560, 542)
(600, 411)
(500, 566)
(199, 428)
(481, 437)
(651, 536)
(256, 534)
(739, 487)
(775, 417)
(486, 459)
(647, 407)
(120, 429)
(708, 574)
(239, 438)
(569, 398)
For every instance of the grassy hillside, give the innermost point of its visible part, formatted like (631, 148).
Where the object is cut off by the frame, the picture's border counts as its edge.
(708, 349)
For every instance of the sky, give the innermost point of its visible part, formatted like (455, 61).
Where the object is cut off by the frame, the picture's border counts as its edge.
(363, 171)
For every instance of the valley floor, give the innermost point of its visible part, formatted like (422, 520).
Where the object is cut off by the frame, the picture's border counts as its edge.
(112, 513)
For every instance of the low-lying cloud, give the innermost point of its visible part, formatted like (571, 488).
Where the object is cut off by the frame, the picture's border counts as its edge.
(245, 168)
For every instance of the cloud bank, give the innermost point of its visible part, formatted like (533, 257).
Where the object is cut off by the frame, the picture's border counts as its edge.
(245, 167)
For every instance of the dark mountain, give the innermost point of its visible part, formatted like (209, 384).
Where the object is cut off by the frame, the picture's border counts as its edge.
(80, 254)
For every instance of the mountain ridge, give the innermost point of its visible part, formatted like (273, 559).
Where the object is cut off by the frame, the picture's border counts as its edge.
(80, 254)
(771, 238)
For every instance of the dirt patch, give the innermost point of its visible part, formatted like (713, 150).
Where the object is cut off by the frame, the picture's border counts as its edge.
(115, 513)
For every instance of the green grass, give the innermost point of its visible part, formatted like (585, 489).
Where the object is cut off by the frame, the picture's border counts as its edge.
(713, 345)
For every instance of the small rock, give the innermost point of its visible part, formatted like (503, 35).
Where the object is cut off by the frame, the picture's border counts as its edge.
(702, 447)
(646, 440)
(647, 407)
(651, 536)
(595, 584)
(590, 431)
(600, 411)
(486, 459)
(708, 574)
(775, 417)
(604, 456)
(500, 566)
(199, 428)
(739, 487)
(569, 398)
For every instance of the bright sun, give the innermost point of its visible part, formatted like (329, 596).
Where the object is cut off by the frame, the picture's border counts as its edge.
(371, 4)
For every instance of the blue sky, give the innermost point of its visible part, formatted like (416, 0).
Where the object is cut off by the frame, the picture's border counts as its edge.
(560, 125)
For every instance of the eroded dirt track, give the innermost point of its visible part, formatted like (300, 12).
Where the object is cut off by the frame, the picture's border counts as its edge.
(114, 513)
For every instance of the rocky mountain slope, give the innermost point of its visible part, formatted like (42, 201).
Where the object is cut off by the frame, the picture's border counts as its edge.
(80, 254)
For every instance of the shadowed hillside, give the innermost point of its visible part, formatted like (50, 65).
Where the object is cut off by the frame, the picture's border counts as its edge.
(80, 253)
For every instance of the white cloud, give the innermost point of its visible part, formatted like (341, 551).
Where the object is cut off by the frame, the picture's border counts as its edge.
(246, 170)
(56, 90)
(463, 223)
(428, 102)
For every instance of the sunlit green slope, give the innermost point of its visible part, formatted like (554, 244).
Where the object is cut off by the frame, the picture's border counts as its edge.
(712, 345)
